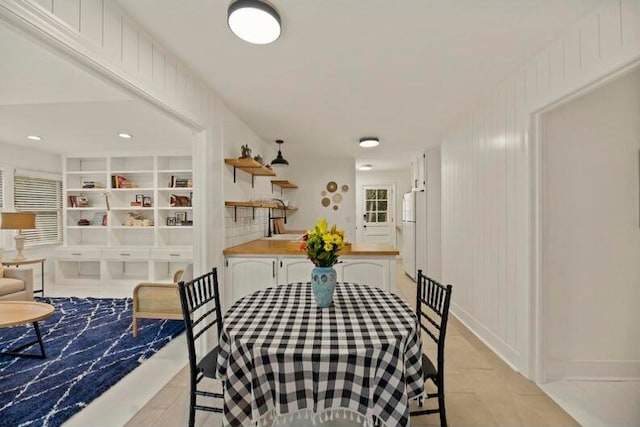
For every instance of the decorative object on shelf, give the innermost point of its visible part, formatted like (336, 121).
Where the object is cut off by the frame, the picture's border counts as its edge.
(254, 21)
(246, 152)
(345, 188)
(18, 221)
(82, 202)
(332, 186)
(84, 222)
(181, 217)
(136, 219)
(146, 202)
(99, 218)
(180, 201)
(258, 158)
(106, 200)
(171, 220)
(279, 160)
(322, 245)
(325, 202)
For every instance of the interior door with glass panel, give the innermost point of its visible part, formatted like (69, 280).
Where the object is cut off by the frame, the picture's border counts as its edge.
(378, 222)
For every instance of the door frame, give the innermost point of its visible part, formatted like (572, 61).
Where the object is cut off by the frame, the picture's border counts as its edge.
(360, 211)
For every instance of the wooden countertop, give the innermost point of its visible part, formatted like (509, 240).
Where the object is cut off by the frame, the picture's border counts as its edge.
(287, 247)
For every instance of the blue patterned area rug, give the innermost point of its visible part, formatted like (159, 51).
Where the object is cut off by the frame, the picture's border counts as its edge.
(89, 348)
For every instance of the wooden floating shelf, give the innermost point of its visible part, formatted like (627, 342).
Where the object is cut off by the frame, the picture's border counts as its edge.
(250, 166)
(283, 183)
(254, 206)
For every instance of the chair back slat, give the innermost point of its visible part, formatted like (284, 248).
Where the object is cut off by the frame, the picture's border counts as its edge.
(432, 305)
(197, 295)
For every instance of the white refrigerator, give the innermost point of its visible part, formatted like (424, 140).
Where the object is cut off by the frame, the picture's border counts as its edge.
(409, 234)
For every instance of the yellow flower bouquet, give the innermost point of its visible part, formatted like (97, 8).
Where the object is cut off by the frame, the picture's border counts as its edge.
(322, 244)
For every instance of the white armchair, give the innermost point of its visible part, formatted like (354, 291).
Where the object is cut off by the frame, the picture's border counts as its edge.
(17, 284)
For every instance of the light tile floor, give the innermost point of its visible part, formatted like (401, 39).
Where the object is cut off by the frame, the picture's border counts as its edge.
(481, 391)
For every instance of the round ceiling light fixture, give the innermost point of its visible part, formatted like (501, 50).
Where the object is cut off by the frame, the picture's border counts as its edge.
(34, 137)
(369, 141)
(254, 21)
(365, 167)
(125, 135)
(279, 161)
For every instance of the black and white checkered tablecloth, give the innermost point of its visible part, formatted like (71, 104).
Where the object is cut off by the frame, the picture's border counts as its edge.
(280, 354)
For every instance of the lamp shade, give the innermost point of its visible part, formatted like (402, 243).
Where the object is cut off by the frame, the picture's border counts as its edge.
(254, 21)
(279, 161)
(18, 221)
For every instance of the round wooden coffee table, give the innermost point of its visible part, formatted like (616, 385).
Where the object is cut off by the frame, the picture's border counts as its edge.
(14, 313)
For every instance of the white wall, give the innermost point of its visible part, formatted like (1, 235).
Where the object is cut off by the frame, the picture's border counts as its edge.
(591, 233)
(488, 221)
(312, 175)
(15, 157)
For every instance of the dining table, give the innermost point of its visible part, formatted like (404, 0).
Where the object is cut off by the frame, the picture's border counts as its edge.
(282, 358)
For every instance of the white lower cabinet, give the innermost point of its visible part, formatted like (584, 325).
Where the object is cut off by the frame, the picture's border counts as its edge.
(247, 274)
(126, 265)
(294, 269)
(369, 271)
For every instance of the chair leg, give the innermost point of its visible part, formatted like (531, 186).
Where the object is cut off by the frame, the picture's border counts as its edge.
(192, 403)
(134, 327)
(441, 409)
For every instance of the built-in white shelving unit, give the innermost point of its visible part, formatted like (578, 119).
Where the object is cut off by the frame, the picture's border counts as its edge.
(113, 247)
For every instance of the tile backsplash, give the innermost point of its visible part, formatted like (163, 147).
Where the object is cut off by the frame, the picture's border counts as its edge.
(243, 227)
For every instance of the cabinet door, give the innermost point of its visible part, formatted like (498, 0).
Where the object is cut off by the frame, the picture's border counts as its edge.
(366, 271)
(294, 269)
(247, 275)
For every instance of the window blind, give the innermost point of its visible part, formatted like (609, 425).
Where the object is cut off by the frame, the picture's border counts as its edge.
(44, 198)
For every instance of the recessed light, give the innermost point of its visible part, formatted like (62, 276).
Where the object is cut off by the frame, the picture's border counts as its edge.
(125, 135)
(369, 141)
(365, 167)
(34, 138)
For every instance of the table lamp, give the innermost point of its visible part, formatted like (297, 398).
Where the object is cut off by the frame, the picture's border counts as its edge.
(18, 221)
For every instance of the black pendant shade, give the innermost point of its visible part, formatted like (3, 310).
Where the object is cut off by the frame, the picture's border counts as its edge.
(279, 161)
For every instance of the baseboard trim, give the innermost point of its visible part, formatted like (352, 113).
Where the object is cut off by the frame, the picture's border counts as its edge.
(507, 353)
(593, 370)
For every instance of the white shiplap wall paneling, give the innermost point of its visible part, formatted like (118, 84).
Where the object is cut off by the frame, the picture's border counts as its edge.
(91, 13)
(486, 213)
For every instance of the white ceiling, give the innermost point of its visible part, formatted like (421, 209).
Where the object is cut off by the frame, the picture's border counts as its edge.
(44, 94)
(402, 70)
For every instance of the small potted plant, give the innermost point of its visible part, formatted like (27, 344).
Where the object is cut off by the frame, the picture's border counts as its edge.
(322, 245)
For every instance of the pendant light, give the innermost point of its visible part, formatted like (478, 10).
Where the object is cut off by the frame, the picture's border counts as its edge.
(254, 21)
(279, 161)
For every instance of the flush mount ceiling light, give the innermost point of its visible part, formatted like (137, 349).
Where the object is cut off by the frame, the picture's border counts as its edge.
(365, 167)
(34, 138)
(254, 21)
(125, 135)
(279, 161)
(369, 141)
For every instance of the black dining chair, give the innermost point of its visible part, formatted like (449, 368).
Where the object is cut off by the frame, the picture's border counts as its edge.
(200, 302)
(432, 310)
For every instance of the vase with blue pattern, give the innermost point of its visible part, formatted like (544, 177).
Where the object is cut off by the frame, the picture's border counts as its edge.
(323, 281)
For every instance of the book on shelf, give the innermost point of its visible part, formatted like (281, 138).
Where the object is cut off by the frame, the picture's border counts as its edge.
(119, 181)
(78, 202)
(180, 182)
(99, 218)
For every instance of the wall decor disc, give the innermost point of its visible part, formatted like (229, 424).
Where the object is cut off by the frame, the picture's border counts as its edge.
(326, 202)
(332, 186)
(323, 193)
(337, 198)
(345, 188)
(335, 207)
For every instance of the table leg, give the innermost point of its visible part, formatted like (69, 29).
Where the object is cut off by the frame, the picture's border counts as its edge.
(16, 351)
